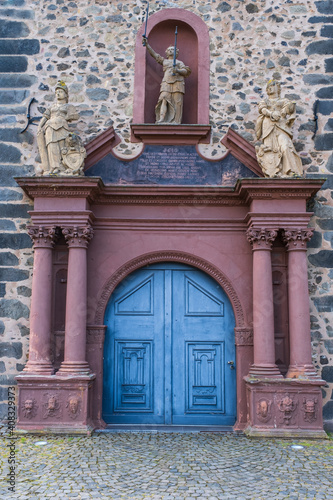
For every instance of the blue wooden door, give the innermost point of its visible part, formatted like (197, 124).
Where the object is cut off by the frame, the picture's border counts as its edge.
(168, 342)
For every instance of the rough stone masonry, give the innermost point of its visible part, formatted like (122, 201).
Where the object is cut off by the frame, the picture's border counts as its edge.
(90, 45)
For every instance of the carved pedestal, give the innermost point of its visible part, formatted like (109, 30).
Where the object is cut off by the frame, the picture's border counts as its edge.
(288, 408)
(54, 404)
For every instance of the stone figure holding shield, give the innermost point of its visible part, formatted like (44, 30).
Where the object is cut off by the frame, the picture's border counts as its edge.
(169, 107)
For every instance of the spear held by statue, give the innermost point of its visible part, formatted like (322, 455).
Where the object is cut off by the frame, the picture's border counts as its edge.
(144, 36)
(175, 51)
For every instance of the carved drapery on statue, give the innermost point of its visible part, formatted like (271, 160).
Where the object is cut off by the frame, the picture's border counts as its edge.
(277, 155)
(61, 151)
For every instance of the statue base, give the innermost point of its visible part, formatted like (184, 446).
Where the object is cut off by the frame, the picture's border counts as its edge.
(170, 134)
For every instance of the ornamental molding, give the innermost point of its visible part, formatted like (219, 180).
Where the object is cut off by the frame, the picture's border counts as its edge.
(261, 238)
(244, 336)
(296, 238)
(43, 237)
(168, 256)
(78, 236)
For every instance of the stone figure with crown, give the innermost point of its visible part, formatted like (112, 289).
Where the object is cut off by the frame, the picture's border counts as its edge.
(61, 151)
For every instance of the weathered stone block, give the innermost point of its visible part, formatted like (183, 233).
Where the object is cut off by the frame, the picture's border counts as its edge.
(324, 258)
(14, 135)
(2, 294)
(12, 210)
(325, 93)
(13, 97)
(324, 304)
(13, 64)
(324, 142)
(13, 308)
(13, 29)
(24, 330)
(10, 195)
(328, 411)
(2, 367)
(11, 350)
(329, 125)
(327, 373)
(318, 79)
(8, 172)
(326, 224)
(325, 107)
(7, 225)
(12, 3)
(9, 154)
(12, 274)
(17, 81)
(324, 6)
(98, 94)
(8, 259)
(327, 31)
(321, 47)
(320, 19)
(329, 345)
(2, 324)
(329, 65)
(17, 13)
(24, 291)
(15, 241)
(315, 241)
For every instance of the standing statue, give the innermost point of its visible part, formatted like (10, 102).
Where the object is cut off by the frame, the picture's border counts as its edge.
(169, 107)
(61, 151)
(277, 155)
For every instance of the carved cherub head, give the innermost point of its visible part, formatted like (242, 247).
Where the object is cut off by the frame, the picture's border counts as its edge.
(52, 403)
(73, 404)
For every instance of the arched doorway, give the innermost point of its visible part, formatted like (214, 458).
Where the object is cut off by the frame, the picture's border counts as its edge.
(169, 349)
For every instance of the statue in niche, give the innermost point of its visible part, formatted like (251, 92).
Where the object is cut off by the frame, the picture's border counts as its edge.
(61, 152)
(277, 155)
(169, 107)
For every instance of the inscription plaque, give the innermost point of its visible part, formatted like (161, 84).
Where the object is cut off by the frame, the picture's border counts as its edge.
(180, 165)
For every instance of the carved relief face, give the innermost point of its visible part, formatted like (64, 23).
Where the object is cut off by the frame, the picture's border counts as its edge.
(28, 405)
(52, 403)
(263, 408)
(73, 405)
(61, 94)
(287, 404)
(169, 52)
(273, 88)
(310, 406)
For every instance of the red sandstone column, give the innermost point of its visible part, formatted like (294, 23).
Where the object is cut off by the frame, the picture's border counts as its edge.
(75, 362)
(298, 300)
(41, 301)
(263, 307)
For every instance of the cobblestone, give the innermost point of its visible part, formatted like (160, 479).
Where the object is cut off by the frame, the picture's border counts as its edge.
(169, 466)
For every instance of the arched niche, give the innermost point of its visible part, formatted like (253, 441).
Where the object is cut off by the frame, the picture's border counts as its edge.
(193, 44)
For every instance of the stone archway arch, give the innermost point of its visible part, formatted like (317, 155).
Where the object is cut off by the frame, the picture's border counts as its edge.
(169, 256)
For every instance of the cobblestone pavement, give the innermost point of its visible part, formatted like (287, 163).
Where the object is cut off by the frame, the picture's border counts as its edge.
(152, 465)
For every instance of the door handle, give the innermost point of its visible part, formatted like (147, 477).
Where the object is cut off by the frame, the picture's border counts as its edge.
(231, 364)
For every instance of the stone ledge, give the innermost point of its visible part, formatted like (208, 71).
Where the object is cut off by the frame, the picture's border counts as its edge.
(170, 135)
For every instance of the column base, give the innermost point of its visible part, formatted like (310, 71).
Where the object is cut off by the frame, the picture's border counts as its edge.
(302, 371)
(39, 367)
(73, 367)
(284, 408)
(54, 405)
(265, 371)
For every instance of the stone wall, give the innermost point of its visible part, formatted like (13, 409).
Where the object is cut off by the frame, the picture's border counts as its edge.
(90, 45)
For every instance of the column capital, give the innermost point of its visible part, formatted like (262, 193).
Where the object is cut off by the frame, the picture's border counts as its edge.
(296, 238)
(261, 238)
(78, 236)
(43, 237)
